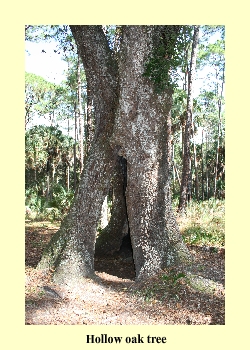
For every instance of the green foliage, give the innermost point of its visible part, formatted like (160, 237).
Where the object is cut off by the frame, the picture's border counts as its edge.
(37, 93)
(48, 33)
(62, 199)
(45, 99)
(204, 223)
(34, 201)
(173, 277)
(42, 142)
(54, 209)
(158, 69)
(167, 57)
(48, 152)
(166, 285)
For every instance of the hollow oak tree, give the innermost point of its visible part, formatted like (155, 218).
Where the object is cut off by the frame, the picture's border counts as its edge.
(131, 121)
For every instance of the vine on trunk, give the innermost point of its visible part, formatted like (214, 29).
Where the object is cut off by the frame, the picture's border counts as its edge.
(165, 59)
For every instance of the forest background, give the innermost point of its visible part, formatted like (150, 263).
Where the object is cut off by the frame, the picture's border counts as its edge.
(58, 129)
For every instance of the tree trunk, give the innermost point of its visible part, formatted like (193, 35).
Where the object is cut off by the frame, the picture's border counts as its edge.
(207, 175)
(47, 188)
(71, 250)
(195, 165)
(35, 158)
(67, 170)
(89, 125)
(141, 129)
(75, 149)
(177, 174)
(218, 137)
(186, 167)
(173, 164)
(80, 114)
(131, 120)
(202, 166)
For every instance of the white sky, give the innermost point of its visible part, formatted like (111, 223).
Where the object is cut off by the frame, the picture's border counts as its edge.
(48, 65)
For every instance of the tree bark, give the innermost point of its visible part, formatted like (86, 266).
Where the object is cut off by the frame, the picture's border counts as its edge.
(131, 121)
(141, 129)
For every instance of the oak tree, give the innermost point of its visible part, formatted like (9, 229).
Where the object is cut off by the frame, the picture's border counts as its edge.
(131, 92)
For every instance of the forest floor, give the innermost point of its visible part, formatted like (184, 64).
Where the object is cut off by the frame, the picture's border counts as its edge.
(113, 297)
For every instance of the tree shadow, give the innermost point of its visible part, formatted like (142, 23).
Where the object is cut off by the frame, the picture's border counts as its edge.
(120, 264)
(185, 306)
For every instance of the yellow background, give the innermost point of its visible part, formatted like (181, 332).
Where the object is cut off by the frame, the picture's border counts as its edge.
(14, 15)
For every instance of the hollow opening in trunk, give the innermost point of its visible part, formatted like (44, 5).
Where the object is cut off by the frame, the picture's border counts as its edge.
(114, 252)
(120, 263)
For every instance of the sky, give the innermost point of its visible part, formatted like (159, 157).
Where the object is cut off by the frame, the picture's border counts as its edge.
(51, 67)
(48, 65)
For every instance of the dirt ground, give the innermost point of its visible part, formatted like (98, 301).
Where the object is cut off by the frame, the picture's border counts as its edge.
(113, 297)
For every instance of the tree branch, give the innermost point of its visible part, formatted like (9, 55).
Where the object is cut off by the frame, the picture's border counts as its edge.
(101, 71)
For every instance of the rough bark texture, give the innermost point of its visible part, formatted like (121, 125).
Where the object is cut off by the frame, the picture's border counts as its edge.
(141, 130)
(131, 120)
(71, 251)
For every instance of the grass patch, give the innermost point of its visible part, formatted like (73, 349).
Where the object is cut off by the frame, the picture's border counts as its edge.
(164, 286)
(204, 223)
(42, 225)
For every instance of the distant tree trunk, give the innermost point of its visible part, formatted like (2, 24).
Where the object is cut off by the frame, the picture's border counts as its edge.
(207, 175)
(177, 174)
(130, 121)
(186, 167)
(202, 166)
(169, 143)
(80, 114)
(67, 177)
(35, 157)
(47, 188)
(195, 165)
(173, 165)
(183, 124)
(218, 137)
(75, 154)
